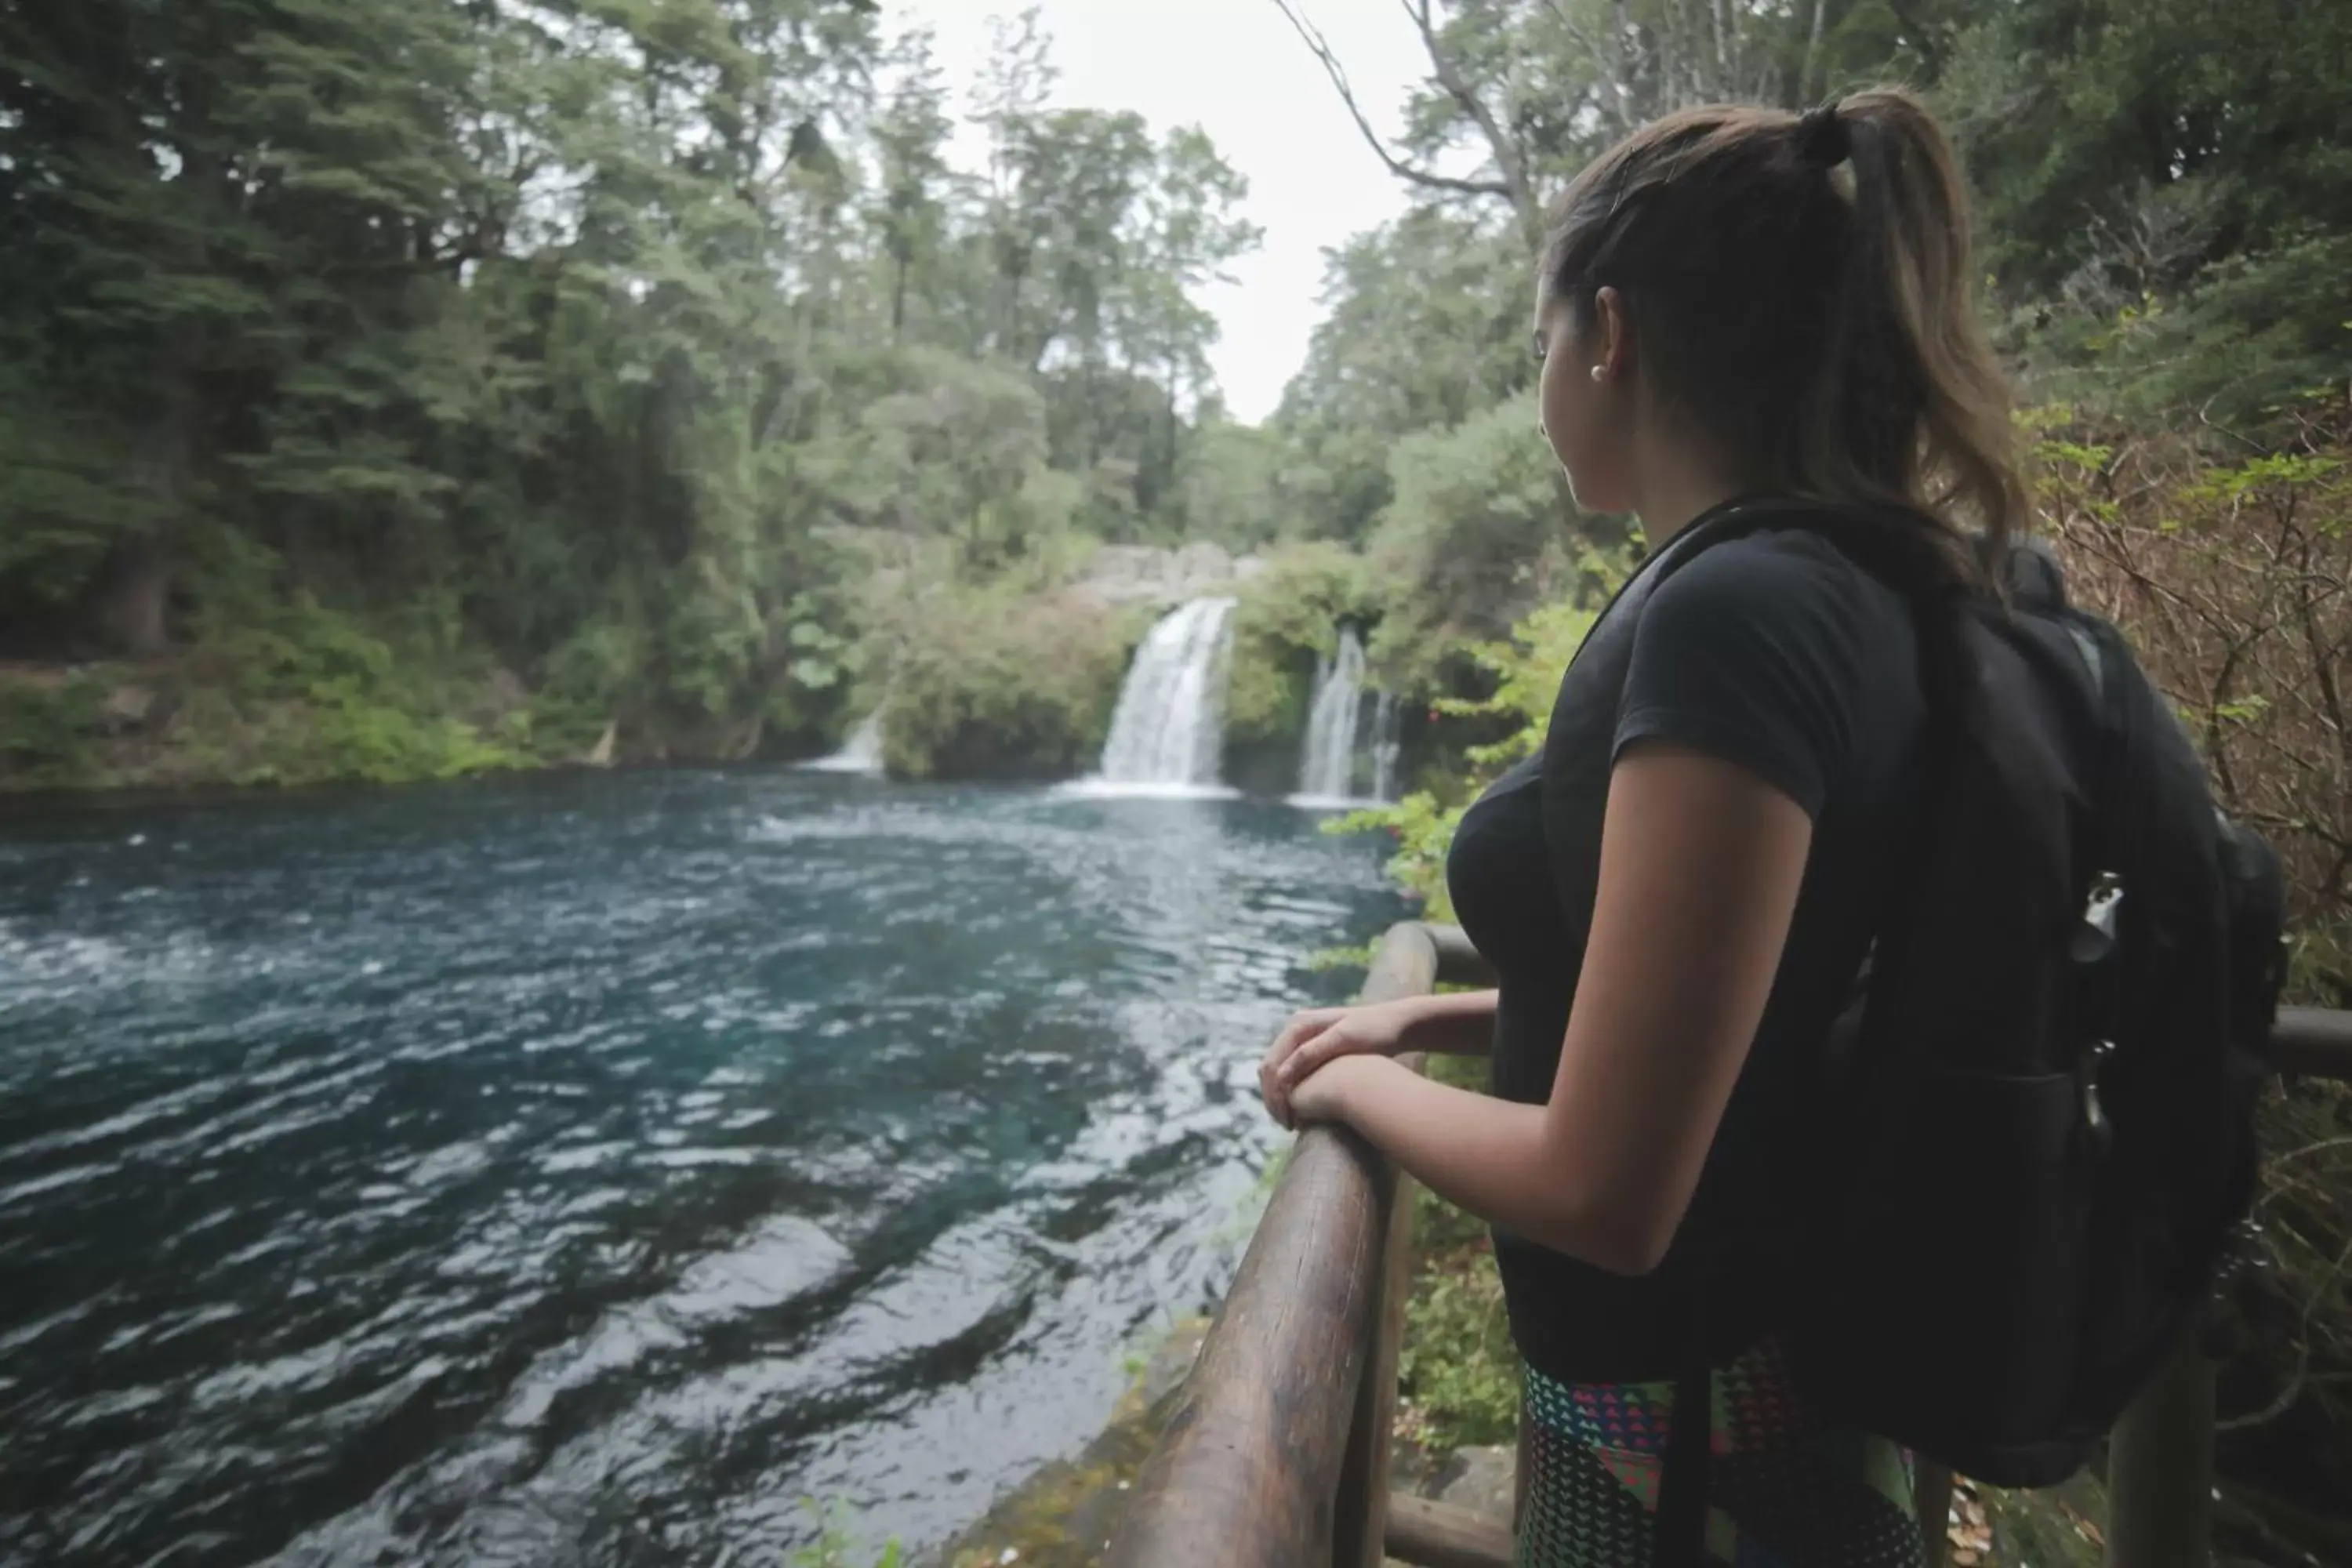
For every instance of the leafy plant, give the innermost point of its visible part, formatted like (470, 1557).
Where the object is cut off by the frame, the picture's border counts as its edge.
(833, 1548)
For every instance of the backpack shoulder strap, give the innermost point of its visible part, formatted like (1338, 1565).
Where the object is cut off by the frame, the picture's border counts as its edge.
(1909, 552)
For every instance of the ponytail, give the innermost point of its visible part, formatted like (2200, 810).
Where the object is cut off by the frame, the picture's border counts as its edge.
(1802, 290)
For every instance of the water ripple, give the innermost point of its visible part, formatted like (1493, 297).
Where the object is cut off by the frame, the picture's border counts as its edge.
(582, 1171)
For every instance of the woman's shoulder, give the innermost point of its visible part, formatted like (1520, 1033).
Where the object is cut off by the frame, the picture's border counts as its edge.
(1785, 580)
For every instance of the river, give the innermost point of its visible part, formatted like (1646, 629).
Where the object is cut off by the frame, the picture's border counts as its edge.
(587, 1170)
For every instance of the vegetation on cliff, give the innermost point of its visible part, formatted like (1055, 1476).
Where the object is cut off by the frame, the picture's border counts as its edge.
(362, 354)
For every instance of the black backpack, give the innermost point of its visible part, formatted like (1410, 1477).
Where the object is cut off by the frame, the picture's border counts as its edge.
(2040, 1139)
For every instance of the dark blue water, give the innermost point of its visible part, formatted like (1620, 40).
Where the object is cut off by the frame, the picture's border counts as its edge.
(588, 1170)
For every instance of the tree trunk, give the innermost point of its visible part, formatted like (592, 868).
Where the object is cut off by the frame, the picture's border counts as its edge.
(133, 600)
(1808, 86)
(133, 597)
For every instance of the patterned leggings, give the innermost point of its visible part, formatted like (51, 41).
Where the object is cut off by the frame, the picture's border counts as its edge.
(1783, 1490)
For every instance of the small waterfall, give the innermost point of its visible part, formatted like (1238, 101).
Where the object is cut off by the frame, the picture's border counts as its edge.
(1388, 721)
(1167, 734)
(861, 754)
(1328, 770)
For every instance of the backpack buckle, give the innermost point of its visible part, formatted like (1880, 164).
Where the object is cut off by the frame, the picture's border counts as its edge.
(2095, 939)
(2095, 1111)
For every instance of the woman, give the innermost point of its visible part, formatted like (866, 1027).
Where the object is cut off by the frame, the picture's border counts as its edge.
(1677, 892)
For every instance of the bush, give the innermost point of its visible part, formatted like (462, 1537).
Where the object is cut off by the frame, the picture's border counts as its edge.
(989, 684)
(49, 729)
(2232, 574)
(1470, 542)
(1458, 1372)
(1287, 617)
(2232, 571)
(1525, 673)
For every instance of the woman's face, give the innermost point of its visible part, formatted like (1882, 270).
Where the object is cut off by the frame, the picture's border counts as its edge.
(1587, 418)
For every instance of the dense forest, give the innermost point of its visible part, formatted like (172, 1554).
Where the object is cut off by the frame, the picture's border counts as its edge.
(409, 388)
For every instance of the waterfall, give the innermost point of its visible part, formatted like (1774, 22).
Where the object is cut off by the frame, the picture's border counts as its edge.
(861, 754)
(1387, 729)
(1167, 734)
(1328, 770)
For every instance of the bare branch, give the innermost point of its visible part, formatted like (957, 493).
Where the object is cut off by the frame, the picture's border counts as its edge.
(1430, 179)
(1516, 185)
(1608, 59)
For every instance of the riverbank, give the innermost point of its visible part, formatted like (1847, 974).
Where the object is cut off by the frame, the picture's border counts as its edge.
(1013, 678)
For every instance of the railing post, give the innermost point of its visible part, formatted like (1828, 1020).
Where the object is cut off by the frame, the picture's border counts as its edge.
(1360, 1530)
(1269, 1459)
(2161, 1467)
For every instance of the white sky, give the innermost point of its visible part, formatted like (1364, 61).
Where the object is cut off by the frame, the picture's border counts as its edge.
(1236, 69)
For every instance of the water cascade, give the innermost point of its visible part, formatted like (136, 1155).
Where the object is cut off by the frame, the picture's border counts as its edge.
(1387, 743)
(1167, 734)
(861, 754)
(1326, 771)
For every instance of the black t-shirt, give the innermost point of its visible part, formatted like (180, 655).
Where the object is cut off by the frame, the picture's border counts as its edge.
(1775, 652)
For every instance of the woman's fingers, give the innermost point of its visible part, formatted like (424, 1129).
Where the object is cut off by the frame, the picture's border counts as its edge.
(1274, 1084)
(1310, 1055)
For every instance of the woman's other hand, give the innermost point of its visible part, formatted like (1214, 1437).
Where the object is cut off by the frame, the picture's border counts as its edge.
(1322, 1034)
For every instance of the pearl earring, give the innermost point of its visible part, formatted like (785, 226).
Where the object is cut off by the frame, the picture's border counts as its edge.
(1601, 372)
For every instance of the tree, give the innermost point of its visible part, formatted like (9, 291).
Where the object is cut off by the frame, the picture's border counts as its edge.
(574, 337)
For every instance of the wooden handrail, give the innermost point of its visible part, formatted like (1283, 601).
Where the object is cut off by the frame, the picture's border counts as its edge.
(2305, 1042)
(2313, 1042)
(1276, 1455)
(1250, 1471)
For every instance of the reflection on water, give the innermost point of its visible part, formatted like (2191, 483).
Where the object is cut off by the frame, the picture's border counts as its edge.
(587, 1170)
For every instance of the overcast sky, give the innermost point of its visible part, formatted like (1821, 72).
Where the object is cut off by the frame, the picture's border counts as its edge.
(1236, 69)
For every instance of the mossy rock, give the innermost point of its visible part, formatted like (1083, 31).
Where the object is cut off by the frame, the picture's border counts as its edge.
(1064, 1515)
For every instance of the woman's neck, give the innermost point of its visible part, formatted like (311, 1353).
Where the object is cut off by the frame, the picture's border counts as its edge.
(1678, 495)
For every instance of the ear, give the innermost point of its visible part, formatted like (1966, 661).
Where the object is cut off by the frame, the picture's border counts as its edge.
(1612, 326)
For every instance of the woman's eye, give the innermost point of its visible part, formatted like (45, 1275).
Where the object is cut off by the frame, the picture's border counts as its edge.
(1535, 342)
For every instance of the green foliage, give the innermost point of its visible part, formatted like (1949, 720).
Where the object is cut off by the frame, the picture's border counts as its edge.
(1288, 616)
(311, 695)
(601, 328)
(989, 683)
(1525, 675)
(1458, 1371)
(49, 729)
(832, 1547)
(1472, 541)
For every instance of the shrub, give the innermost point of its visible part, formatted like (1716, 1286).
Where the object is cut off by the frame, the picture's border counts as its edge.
(1288, 616)
(2232, 571)
(49, 729)
(989, 684)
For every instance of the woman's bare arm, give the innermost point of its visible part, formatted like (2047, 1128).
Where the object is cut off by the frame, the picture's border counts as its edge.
(1461, 1023)
(1700, 864)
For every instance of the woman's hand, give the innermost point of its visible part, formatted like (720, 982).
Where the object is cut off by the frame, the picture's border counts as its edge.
(1322, 1035)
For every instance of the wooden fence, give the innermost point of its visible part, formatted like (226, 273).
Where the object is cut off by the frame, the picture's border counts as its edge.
(1278, 1453)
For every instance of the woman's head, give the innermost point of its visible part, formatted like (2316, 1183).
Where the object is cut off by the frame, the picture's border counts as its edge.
(1789, 297)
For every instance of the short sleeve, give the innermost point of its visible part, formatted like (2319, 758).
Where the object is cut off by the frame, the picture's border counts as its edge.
(1753, 653)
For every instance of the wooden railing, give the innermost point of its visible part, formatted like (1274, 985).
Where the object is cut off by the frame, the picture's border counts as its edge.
(1276, 1455)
